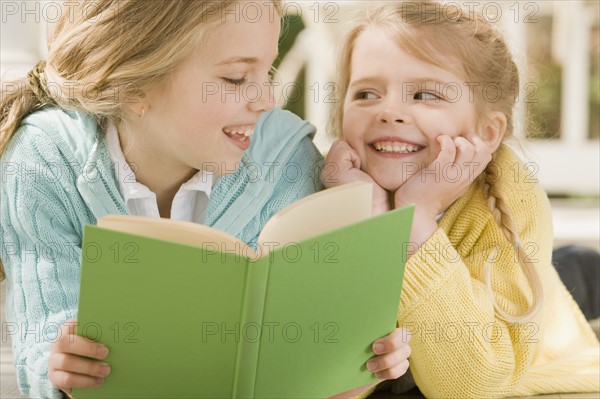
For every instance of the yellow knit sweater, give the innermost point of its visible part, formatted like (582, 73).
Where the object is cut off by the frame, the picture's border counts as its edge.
(460, 349)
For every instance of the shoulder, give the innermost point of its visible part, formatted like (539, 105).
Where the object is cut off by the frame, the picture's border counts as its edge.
(46, 169)
(518, 183)
(514, 181)
(282, 146)
(283, 121)
(525, 198)
(55, 134)
(522, 195)
(276, 131)
(476, 227)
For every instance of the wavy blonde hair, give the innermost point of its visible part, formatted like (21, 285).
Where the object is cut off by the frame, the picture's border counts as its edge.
(425, 29)
(104, 53)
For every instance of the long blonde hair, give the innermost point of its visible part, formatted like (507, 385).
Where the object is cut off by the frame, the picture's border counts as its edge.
(427, 28)
(104, 53)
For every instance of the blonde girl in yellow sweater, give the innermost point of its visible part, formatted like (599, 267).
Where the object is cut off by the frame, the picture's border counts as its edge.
(427, 105)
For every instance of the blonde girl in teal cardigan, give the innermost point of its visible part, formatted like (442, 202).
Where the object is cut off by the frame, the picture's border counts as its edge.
(185, 85)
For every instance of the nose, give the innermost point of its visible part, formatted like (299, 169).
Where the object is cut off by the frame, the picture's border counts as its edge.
(264, 99)
(391, 116)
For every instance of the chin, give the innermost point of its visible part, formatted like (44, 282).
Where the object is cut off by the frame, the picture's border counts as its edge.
(388, 178)
(222, 168)
(388, 183)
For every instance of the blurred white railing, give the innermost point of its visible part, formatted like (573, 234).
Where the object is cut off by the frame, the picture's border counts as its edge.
(567, 165)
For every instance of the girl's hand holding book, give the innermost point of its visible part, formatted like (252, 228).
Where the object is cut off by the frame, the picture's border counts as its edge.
(72, 363)
(392, 353)
(390, 363)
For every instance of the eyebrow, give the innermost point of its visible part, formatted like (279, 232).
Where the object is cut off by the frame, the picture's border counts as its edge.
(243, 60)
(418, 81)
(239, 60)
(430, 80)
(363, 81)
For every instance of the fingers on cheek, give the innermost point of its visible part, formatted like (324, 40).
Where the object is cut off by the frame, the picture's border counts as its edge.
(478, 141)
(449, 148)
(334, 152)
(488, 156)
(345, 146)
(483, 151)
(445, 143)
(463, 147)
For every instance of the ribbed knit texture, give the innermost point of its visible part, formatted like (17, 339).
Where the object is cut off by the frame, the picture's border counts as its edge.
(57, 177)
(459, 348)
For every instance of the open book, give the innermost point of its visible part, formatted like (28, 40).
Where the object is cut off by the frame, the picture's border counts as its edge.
(191, 312)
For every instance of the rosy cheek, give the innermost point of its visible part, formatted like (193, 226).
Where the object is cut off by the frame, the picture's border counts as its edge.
(356, 146)
(348, 131)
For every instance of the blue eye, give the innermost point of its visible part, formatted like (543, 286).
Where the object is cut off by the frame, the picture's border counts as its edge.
(366, 95)
(236, 82)
(426, 96)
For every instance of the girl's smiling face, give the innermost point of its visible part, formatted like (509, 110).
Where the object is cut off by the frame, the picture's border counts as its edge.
(203, 114)
(397, 105)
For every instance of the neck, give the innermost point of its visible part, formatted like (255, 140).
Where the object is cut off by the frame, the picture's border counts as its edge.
(153, 168)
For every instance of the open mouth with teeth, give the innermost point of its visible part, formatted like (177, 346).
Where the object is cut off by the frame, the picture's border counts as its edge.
(394, 147)
(240, 135)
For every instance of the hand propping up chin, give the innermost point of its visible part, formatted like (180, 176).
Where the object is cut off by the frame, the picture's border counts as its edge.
(343, 166)
(434, 188)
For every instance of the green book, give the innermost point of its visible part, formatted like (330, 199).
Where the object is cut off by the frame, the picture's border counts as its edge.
(188, 311)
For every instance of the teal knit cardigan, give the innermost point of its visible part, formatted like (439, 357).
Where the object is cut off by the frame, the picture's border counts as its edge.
(57, 177)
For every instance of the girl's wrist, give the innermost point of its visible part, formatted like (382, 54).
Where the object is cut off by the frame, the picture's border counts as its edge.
(378, 209)
(426, 211)
(381, 201)
(423, 227)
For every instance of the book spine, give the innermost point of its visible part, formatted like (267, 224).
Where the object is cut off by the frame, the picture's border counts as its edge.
(250, 328)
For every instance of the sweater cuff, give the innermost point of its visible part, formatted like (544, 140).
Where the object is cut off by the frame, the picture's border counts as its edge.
(433, 263)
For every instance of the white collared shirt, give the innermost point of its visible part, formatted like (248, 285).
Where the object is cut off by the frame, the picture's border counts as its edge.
(189, 203)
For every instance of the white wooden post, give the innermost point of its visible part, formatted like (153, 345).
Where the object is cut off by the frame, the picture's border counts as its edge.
(576, 65)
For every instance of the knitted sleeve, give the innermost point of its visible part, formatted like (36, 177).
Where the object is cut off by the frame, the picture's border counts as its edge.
(460, 349)
(41, 253)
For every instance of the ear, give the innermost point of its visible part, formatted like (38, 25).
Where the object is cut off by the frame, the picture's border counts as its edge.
(137, 104)
(494, 129)
(136, 109)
